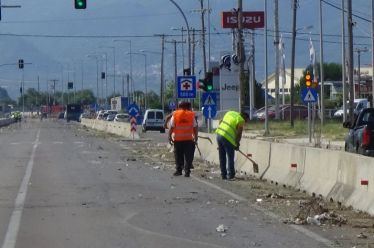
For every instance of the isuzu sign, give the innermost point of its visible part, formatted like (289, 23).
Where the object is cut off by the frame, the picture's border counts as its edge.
(250, 20)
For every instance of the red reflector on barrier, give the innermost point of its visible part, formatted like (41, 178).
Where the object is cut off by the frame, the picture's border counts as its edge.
(249, 155)
(364, 182)
(293, 165)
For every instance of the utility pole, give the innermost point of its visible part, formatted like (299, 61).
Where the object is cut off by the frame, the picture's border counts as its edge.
(343, 65)
(359, 51)
(162, 93)
(350, 61)
(241, 56)
(174, 42)
(294, 8)
(266, 71)
(203, 34)
(321, 65)
(54, 90)
(372, 53)
(276, 44)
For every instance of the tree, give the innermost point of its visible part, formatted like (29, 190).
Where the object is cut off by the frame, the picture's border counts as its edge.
(153, 100)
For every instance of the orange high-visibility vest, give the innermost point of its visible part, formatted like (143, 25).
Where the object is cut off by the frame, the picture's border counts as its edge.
(183, 125)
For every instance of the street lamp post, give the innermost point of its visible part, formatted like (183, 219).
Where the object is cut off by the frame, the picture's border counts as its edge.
(114, 67)
(145, 77)
(97, 76)
(188, 32)
(161, 75)
(132, 83)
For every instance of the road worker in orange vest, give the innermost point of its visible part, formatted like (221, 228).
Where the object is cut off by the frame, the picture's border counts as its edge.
(183, 133)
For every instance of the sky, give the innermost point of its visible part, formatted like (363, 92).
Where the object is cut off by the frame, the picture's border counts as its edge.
(57, 39)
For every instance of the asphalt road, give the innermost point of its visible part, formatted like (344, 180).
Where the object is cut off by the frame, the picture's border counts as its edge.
(63, 187)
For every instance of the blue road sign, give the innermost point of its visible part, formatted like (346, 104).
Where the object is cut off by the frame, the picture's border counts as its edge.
(186, 86)
(133, 109)
(209, 99)
(210, 111)
(309, 95)
(172, 105)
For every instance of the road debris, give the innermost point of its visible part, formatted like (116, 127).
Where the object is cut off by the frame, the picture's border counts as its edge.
(314, 212)
(156, 167)
(362, 236)
(258, 200)
(221, 228)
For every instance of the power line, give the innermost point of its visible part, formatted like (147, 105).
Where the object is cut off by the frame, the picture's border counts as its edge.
(339, 8)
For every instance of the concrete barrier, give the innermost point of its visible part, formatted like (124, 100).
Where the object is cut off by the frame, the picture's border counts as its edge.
(286, 164)
(259, 151)
(118, 128)
(321, 168)
(340, 176)
(355, 182)
(6, 122)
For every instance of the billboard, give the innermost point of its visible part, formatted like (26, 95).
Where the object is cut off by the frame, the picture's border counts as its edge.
(229, 82)
(250, 20)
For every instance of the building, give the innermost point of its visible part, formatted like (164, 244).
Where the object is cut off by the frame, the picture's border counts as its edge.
(287, 86)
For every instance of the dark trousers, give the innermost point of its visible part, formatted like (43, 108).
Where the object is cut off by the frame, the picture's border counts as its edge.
(184, 153)
(226, 148)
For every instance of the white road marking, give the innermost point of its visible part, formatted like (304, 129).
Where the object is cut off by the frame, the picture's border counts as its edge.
(15, 220)
(57, 142)
(303, 230)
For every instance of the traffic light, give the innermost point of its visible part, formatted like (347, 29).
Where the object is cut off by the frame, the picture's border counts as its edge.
(187, 72)
(209, 81)
(103, 75)
(308, 80)
(80, 4)
(206, 83)
(20, 64)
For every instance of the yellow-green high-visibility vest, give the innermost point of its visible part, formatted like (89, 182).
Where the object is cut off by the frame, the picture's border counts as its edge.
(227, 128)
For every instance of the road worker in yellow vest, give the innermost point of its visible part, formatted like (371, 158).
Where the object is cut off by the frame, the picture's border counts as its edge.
(183, 133)
(229, 134)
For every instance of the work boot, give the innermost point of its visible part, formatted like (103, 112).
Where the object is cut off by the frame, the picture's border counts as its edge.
(187, 174)
(177, 173)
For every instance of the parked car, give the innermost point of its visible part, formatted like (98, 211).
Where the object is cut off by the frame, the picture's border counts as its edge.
(300, 112)
(358, 105)
(110, 117)
(121, 118)
(360, 138)
(61, 115)
(153, 120)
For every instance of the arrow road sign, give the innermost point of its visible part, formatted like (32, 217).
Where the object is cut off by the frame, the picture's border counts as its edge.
(309, 95)
(133, 109)
(209, 111)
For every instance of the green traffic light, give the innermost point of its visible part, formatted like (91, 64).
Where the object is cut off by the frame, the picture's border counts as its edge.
(80, 4)
(209, 87)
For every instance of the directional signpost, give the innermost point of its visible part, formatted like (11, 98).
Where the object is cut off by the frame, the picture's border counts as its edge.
(133, 126)
(309, 95)
(133, 110)
(209, 100)
(186, 87)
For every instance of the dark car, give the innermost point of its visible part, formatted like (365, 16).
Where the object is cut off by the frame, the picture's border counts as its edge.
(360, 138)
(73, 112)
(61, 115)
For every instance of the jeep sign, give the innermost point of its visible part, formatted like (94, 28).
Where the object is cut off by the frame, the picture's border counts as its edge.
(250, 20)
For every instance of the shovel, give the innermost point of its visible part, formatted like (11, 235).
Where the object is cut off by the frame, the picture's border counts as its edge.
(255, 165)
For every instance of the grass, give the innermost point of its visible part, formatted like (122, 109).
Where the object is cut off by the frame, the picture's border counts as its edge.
(332, 129)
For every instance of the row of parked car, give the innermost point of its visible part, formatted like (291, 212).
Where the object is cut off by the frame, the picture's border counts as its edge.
(112, 115)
